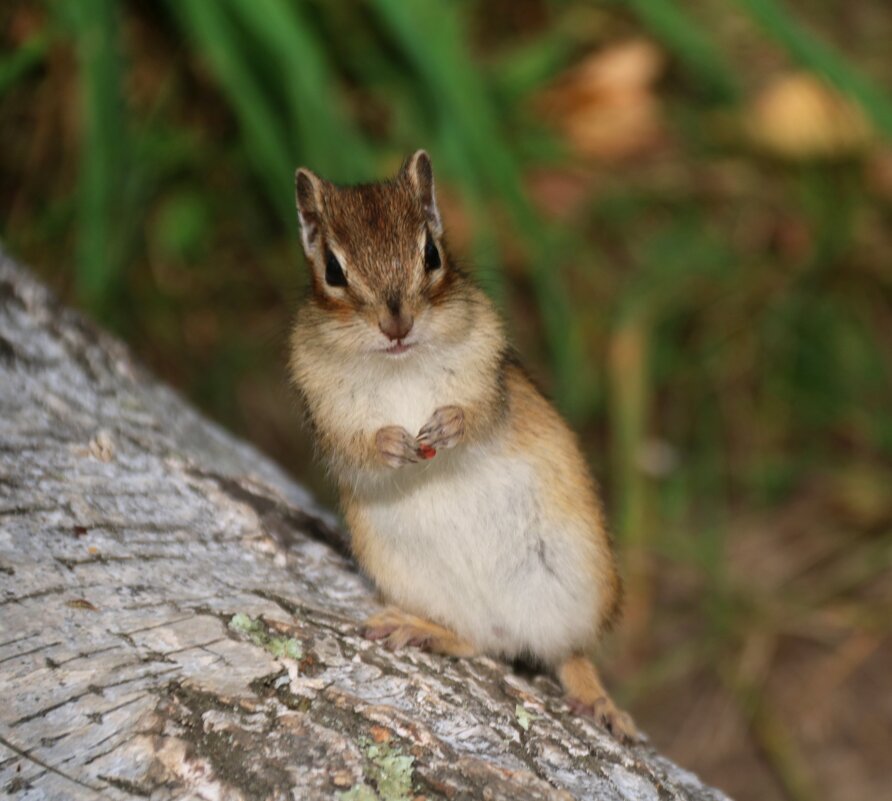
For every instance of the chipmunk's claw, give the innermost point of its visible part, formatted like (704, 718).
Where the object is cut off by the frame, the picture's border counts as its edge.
(397, 447)
(445, 428)
(609, 717)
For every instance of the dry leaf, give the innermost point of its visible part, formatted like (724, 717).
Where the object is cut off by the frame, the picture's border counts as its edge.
(606, 106)
(800, 117)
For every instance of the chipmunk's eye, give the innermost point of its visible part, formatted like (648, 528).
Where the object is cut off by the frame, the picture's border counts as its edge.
(334, 273)
(431, 254)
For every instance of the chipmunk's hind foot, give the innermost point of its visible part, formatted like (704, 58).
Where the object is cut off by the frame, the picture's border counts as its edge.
(398, 629)
(586, 696)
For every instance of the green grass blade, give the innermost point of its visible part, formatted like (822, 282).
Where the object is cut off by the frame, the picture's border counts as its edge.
(694, 48)
(103, 147)
(265, 138)
(813, 54)
(23, 59)
(430, 35)
(527, 67)
(321, 134)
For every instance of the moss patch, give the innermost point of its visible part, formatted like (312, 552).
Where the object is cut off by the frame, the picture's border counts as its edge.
(259, 634)
(524, 717)
(389, 774)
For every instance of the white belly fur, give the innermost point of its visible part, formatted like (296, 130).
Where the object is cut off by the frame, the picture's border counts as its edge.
(469, 543)
(467, 539)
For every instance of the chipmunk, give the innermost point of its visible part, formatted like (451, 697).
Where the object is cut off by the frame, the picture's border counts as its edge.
(468, 501)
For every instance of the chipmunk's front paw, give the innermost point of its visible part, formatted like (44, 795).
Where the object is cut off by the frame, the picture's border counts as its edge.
(396, 446)
(445, 428)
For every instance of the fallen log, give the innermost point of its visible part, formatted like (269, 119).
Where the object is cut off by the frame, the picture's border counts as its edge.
(178, 619)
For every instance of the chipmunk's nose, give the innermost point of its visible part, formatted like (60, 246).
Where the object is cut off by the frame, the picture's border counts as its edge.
(396, 327)
(397, 323)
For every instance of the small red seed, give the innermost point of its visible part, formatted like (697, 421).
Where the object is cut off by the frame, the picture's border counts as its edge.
(427, 452)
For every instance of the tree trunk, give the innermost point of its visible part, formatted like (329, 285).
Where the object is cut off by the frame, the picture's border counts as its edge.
(179, 620)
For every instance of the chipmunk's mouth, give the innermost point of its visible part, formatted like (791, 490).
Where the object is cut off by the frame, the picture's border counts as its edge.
(398, 347)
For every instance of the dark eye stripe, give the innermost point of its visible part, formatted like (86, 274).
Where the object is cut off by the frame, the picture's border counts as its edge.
(431, 253)
(334, 273)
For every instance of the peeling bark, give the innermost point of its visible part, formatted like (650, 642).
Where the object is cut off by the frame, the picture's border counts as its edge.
(179, 620)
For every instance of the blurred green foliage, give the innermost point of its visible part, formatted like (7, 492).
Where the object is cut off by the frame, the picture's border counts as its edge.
(351, 87)
(715, 320)
(252, 88)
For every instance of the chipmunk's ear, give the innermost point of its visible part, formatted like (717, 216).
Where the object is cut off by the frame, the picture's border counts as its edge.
(419, 171)
(308, 194)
